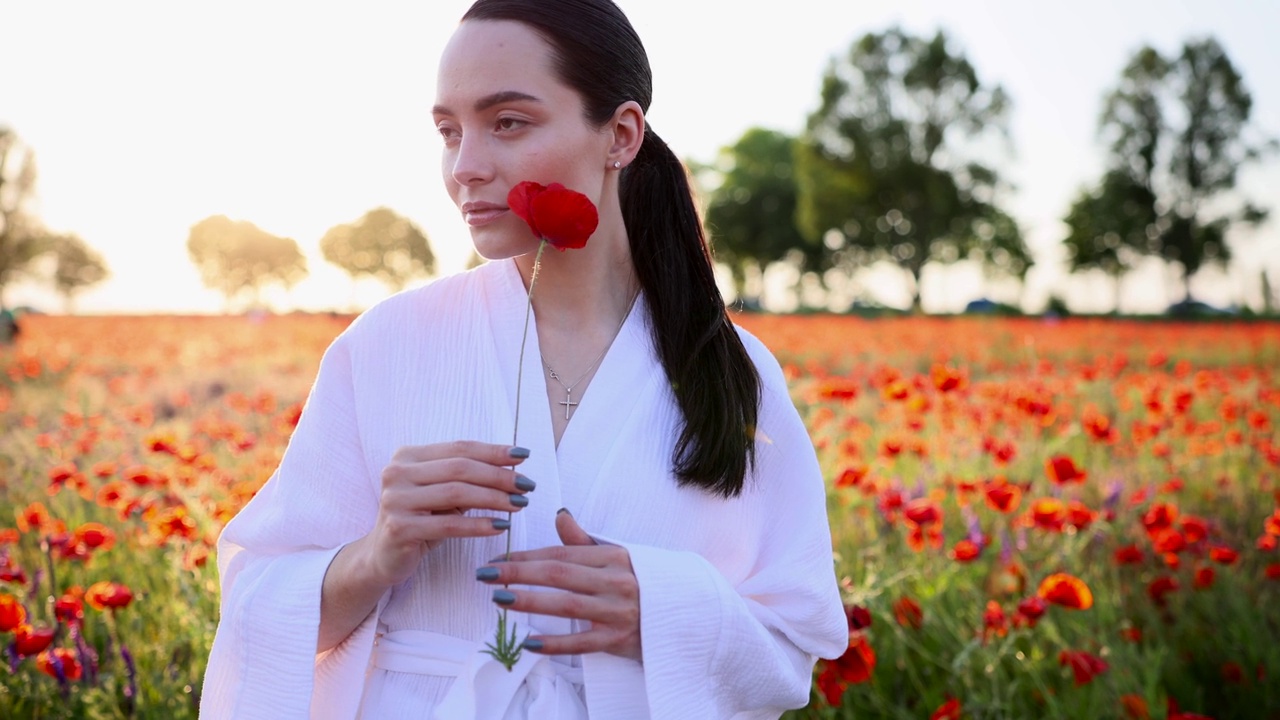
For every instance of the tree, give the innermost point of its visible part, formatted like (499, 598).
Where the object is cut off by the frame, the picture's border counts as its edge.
(751, 213)
(1176, 129)
(1106, 224)
(881, 170)
(22, 240)
(235, 256)
(76, 267)
(382, 245)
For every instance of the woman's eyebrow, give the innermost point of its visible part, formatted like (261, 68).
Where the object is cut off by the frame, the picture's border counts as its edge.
(489, 101)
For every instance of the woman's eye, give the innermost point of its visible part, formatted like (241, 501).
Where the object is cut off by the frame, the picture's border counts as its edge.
(509, 123)
(447, 133)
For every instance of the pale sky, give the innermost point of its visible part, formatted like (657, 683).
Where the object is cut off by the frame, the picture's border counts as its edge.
(147, 117)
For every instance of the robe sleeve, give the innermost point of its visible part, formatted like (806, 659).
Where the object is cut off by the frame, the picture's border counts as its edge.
(713, 649)
(272, 559)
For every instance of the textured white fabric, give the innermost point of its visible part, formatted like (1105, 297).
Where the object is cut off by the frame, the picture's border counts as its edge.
(738, 597)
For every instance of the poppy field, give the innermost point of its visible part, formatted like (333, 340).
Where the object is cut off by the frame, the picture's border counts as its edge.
(1031, 518)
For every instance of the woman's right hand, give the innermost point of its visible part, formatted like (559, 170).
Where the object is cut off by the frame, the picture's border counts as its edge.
(426, 493)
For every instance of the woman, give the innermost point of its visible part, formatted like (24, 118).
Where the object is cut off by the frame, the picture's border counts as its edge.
(674, 559)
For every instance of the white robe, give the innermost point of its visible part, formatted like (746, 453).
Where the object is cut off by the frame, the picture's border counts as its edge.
(738, 597)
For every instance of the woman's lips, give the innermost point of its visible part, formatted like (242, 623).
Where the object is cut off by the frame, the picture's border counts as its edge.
(482, 214)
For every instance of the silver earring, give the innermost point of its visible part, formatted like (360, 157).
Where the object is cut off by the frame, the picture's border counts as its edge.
(617, 164)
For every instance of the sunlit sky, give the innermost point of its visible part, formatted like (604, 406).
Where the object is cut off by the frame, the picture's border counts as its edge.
(147, 117)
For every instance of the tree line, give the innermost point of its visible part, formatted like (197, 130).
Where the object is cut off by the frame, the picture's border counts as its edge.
(895, 164)
(29, 250)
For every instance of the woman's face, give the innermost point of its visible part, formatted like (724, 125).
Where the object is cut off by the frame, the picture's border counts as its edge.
(505, 117)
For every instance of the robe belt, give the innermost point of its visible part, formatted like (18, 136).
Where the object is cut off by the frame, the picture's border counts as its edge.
(483, 688)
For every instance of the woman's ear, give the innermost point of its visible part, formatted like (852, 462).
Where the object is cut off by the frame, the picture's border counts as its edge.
(627, 126)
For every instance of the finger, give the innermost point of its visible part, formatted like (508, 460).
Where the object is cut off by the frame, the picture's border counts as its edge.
(589, 641)
(570, 532)
(575, 606)
(475, 472)
(597, 556)
(551, 574)
(488, 453)
(451, 496)
(429, 528)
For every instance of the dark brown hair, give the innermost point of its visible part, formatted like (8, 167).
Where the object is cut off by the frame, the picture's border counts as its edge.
(715, 383)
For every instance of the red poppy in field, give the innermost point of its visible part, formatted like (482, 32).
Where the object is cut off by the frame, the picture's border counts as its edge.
(891, 447)
(838, 388)
(858, 617)
(69, 609)
(12, 613)
(1048, 514)
(1062, 470)
(28, 640)
(1159, 589)
(1222, 554)
(1194, 529)
(923, 512)
(965, 551)
(1203, 578)
(1067, 591)
(1168, 541)
(994, 622)
(1135, 707)
(853, 667)
(104, 594)
(1099, 427)
(1272, 571)
(1079, 516)
(1029, 611)
(1129, 555)
(949, 710)
(35, 517)
(1232, 673)
(66, 662)
(1159, 516)
(95, 536)
(908, 613)
(563, 217)
(1084, 665)
(1003, 496)
(1131, 634)
(947, 378)
(851, 476)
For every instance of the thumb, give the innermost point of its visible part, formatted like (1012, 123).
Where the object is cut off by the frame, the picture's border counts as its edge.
(570, 532)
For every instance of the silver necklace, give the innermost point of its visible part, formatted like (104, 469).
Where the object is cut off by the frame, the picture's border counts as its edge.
(568, 402)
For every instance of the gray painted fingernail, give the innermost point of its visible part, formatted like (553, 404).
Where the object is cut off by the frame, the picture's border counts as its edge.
(504, 597)
(533, 644)
(501, 524)
(519, 500)
(518, 452)
(524, 483)
(485, 574)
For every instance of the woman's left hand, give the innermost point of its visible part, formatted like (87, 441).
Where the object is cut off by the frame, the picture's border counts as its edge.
(600, 587)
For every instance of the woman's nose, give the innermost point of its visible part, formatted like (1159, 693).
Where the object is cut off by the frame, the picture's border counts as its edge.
(471, 162)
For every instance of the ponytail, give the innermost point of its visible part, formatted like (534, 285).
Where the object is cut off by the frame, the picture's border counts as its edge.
(713, 379)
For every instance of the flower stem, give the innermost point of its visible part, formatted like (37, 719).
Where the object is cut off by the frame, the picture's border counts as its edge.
(505, 648)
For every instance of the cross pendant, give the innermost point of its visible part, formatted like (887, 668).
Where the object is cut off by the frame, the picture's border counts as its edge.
(568, 403)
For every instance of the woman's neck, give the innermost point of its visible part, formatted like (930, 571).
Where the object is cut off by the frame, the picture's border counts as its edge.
(584, 292)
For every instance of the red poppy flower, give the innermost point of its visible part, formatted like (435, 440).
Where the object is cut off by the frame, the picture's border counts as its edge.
(1029, 611)
(102, 595)
(908, 613)
(923, 512)
(1203, 578)
(994, 621)
(1135, 707)
(563, 217)
(858, 617)
(1128, 555)
(1062, 470)
(1048, 514)
(851, 476)
(28, 640)
(946, 378)
(1160, 587)
(1003, 496)
(1084, 665)
(949, 710)
(12, 613)
(965, 551)
(1222, 554)
(1066, 590)
(66, 658)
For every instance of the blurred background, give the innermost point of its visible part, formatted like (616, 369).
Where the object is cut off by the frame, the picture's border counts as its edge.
(1083, 157)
